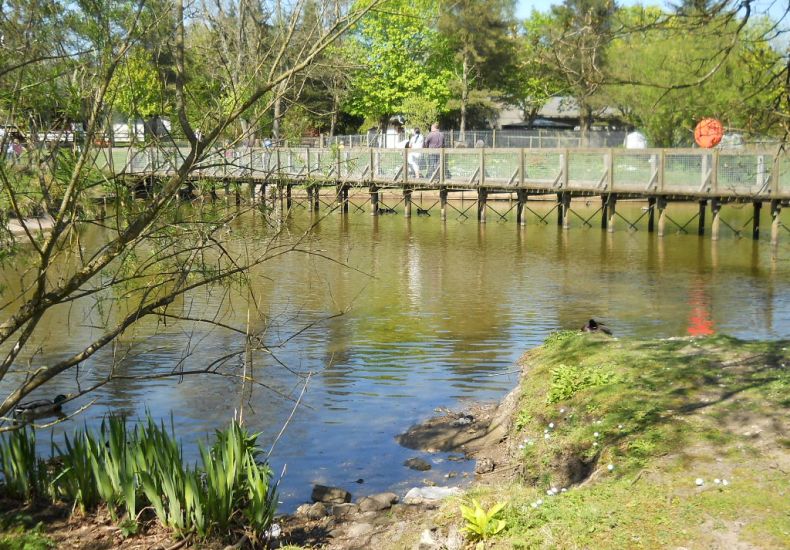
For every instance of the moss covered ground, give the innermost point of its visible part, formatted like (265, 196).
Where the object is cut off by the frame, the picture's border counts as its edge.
(677, 443)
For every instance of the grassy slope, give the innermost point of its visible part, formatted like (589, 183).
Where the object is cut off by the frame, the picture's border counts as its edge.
(666, 412)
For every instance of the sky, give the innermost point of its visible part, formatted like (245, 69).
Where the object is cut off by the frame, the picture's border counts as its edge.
(776, 8)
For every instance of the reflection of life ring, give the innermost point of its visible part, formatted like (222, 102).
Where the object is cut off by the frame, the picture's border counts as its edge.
(708, 132)
(700, 322)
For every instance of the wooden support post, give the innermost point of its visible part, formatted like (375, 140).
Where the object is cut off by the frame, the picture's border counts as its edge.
(776, 222)
(703, 204)
(560, 207)
(758, 205)
(316, 198)
(611, 210)
(374, 200)
(288, 200)
(604, 211)
(309, 198)
(482, 195)
(407, 203)
(715, 224)
(345, 199)
(566, 210)
(651, 214)
(443, 203)
(252, 190)
(521, 207)
(238, 193)
(662, 215)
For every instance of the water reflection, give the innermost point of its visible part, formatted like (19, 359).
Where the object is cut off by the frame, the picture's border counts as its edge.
(434, 314)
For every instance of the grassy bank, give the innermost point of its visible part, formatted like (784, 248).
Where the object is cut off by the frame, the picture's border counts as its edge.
(649, 444)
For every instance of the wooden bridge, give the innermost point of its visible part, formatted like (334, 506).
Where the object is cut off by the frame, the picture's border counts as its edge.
(709, 177)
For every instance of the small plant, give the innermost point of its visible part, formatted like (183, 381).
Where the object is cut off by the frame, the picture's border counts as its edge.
(567, 380)
(24, 475)
(522, 420)
(482, 524)
(556, 339)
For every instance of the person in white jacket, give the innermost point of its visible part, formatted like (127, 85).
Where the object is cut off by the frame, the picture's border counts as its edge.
(415, 142)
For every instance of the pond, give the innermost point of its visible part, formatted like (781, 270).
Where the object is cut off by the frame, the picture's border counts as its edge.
(396, 317)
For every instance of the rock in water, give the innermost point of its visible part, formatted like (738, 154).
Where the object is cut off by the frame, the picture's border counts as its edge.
(417, 464)
(330, 495)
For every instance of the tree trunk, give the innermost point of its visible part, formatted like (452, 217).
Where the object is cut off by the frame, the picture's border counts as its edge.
(464, 97)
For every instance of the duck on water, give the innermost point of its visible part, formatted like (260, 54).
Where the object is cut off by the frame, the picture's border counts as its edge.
(39, 408)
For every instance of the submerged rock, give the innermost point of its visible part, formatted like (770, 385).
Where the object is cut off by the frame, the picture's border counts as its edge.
(417, 464)
(330, 495)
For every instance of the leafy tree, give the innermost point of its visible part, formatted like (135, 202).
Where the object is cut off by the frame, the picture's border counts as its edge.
(398, 54)
(578, 37)
(479, 37)
(668, 78)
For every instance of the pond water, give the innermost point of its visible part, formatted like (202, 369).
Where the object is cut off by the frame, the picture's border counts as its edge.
(434, 315)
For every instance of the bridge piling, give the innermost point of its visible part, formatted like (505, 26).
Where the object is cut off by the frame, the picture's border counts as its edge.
(374, 200)
(443, 204)
(776, 222)
(611, 212)
(703, 204)
(604, 211)
(482, 199)
(566, 210)
(407, 203)
(651, 214)
(288, 199)
(662, 215)
(521, 207)
(715, 224)
(757, 205)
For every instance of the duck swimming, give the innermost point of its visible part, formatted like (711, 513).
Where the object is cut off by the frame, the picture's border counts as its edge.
(39, 407)
(593, 326)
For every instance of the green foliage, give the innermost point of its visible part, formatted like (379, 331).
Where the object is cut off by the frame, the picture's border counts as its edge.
(481, 524)
(567, 380)
(22, 538)
(126, 469)
(420, 112)
(24, 474)
(399, 54)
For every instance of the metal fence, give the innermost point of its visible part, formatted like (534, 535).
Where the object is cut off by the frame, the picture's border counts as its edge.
(485, 138)
(699, 172)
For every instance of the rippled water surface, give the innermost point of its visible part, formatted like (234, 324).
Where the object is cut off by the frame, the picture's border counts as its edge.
(434, 314)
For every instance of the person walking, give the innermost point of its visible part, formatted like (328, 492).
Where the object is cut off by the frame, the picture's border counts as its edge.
(434, 140)
(415, 142)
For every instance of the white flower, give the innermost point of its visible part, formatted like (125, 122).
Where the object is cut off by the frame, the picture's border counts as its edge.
(550, 492)
(717, 481)
(596, 434)
(534, 504)
(610, 467)
(564, 490)
(521, 446)
(595, 443)
(699, 481)
(539, 501)
(562, 411)
(725, 482)
(619, 426)
(546, 436)
(551, 425)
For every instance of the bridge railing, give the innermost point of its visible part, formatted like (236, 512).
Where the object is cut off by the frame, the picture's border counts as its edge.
(690, 172)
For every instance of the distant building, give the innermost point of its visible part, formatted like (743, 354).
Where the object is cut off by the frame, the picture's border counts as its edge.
(559, 113)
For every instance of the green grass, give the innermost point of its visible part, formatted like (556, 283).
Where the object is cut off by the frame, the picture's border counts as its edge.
(665, 413)
(22, 532)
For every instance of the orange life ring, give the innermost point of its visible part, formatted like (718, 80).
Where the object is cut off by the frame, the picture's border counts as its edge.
(708, 132)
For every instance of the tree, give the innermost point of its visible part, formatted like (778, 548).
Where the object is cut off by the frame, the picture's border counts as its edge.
(398, 54)
(667, 78)
(577, 42)
(479, 37)
(155, 253)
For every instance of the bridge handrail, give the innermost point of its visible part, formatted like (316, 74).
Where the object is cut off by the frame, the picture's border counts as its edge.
(689, 172)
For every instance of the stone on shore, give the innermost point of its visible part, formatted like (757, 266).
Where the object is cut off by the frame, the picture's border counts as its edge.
(484, 466)
(330, 495)
(428, 495)
(313, 511)
(343, 511)
(378, 502)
